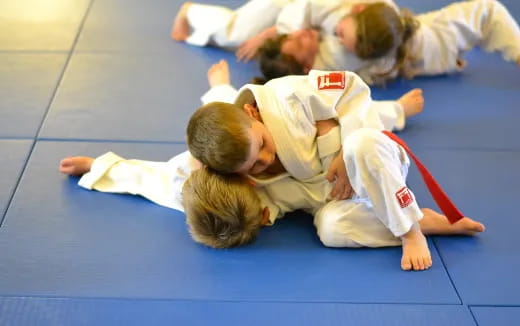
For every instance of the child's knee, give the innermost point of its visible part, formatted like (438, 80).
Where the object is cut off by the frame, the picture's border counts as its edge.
(331, 228)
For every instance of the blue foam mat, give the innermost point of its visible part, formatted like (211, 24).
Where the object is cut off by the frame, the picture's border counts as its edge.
(496, 316)
(33, 25)
(78, 312)
(132, 26)
(13, 155)
(91, 244)
(484, 269)
(477, 109)
(27, 83)
(59, 240)
(132, 97)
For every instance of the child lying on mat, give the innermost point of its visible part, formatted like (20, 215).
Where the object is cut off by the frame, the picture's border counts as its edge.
(270, 130)
(374, 38)
(229, 224)
(227, 211)
(380, 41)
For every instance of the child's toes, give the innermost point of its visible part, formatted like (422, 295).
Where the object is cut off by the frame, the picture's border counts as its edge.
(406, 264)
(418, 264)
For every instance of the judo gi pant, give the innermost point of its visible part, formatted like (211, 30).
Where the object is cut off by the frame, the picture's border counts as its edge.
(383, 208)
(456, 28)
(226, 28)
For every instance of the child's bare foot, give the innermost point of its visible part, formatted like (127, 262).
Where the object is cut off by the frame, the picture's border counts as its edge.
(518, 61)
(416, 254)
(412, 102)
(218, 74)
(434, 223)
(181, 27)
(76, 165)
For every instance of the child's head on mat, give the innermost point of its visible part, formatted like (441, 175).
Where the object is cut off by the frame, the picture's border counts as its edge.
(370, 31)
(230, 139)
(222, 211)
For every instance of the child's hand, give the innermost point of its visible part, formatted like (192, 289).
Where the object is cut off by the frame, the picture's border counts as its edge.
(247, 50)
(338, 172)
(412, 102)
(218, 74)
(76, 166)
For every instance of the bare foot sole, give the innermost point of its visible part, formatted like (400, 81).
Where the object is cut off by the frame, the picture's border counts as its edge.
(181, 27)
(435, 223)
(412, 102)
(416, 255)
(76, 166)
(218, 74)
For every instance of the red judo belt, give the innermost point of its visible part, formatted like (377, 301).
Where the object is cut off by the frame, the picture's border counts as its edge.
(445, 204)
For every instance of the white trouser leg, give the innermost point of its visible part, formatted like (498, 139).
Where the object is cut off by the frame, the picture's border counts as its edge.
(384, 208)
(223, 27)
(486, 23)
(377, 168)
(352, 223)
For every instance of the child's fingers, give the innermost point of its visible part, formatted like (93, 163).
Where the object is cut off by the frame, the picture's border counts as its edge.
(66, 161)
(331, 175)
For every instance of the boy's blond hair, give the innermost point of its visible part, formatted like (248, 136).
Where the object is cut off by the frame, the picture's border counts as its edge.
(222, 211)
(217, 135)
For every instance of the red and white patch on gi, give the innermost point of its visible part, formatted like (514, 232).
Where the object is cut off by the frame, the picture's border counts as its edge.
(332, 80)
(404, 197)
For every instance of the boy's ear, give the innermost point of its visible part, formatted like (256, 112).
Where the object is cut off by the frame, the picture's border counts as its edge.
(265, 216)
(252, 112)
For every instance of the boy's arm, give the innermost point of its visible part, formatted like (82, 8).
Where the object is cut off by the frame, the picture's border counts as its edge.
(160, 182)
(331, 156)
(313, 193)
(391, 114)
(248, 50)
(341, 95)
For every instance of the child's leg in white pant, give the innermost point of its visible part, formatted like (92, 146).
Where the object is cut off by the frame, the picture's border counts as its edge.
(486, 23)
(352, 223)
(223, 27)
(377, 169)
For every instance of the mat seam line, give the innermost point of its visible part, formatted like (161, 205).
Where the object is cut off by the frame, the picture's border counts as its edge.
(447, 272)
(51, 100)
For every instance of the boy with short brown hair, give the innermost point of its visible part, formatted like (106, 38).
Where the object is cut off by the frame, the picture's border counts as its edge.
(222, 211)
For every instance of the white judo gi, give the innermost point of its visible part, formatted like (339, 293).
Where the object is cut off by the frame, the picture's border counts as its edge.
(324, 15)
(291, 105)
(227, 28)
(444, 35)
(348, 223)
(442, 38)
(376, 167)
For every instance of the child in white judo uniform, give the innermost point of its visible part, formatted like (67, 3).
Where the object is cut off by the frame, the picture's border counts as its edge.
(270, 129)
(389, 42)
(324, 35)
(245, 30)
(343, 223)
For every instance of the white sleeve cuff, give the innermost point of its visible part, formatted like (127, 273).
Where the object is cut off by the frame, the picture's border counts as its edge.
(329, 143)
(99, 168)
(221, 93)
